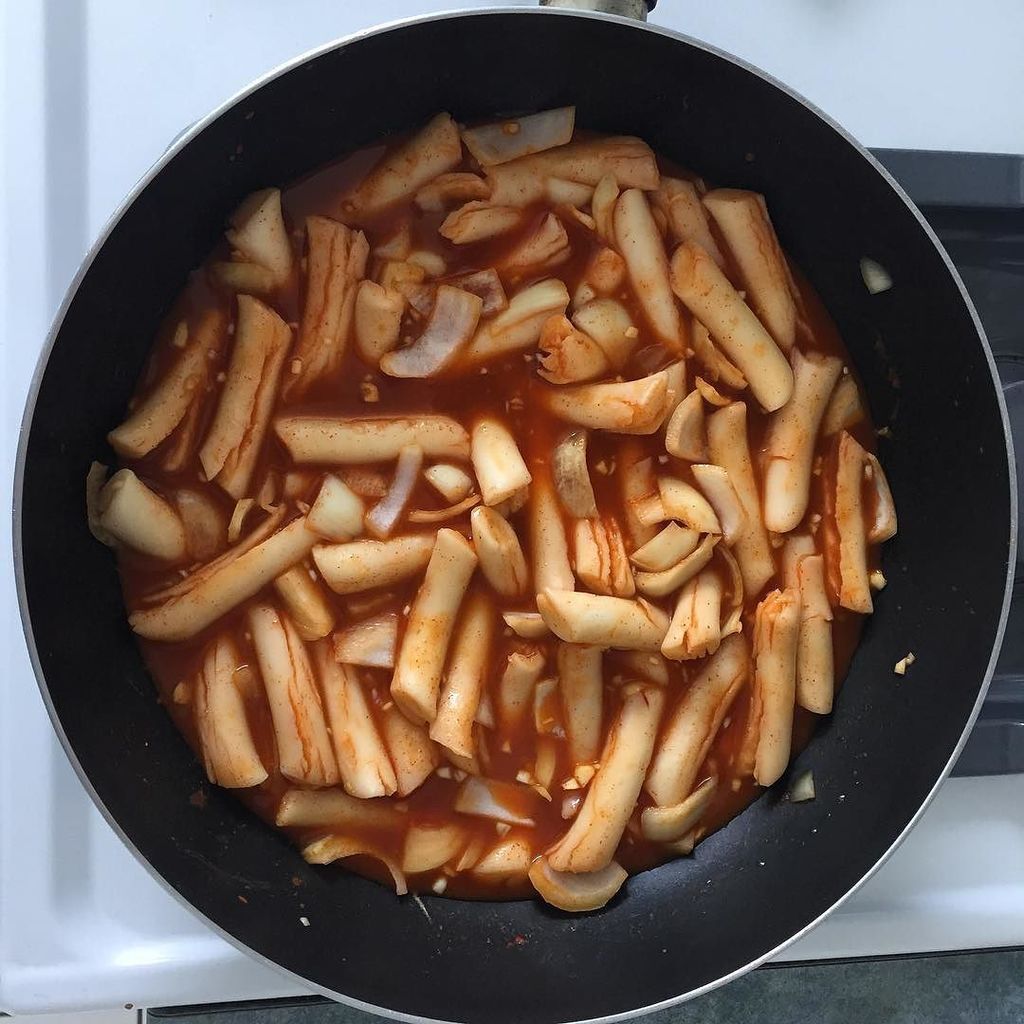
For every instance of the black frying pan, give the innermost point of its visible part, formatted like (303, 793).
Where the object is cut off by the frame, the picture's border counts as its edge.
(778, 867)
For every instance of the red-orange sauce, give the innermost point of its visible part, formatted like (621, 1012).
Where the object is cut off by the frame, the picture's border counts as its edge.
(506, 387)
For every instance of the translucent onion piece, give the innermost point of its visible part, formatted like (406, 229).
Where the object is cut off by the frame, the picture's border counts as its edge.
(448, 330)
(427, 847)
(370, 643)
(685, 435)
(507, 861)
(485, 283)
(576, 893)
(382, 519)
(500, 801)
(667, 824)
(332, 848)
(518, 328)
(507, 140)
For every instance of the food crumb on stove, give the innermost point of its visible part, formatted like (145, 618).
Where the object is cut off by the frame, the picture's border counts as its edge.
(877, 580)
(296, 881)
(440, 885)
(901, 666)
(304, 921)
(198, 798)
(884, 432)
(242, 899)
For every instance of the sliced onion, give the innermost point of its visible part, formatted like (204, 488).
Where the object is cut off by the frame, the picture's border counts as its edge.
(669, 824)
(439, 515)
(576, 892)
(571, 476)
(429, 846)
(685, 436)
(332, 848)
(711, 394)
(507, 140)
(501, 801)
(883, 525)
(714, 481)
(242, 508)
(487, 285)
(734, 620)
(371, 643)
(382, 519)
(507, 861)
(452, 323)
(802, 788)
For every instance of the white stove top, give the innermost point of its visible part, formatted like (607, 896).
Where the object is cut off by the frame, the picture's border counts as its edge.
(91, 93)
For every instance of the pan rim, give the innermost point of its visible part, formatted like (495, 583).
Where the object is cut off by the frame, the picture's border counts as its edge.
(182, 141)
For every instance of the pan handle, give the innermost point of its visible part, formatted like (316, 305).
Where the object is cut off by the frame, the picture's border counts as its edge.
(637, 9)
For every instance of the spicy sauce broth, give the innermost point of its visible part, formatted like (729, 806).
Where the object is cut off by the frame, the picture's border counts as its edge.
(505, 388)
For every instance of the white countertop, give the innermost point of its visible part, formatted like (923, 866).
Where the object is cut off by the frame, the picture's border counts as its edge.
(91, 92)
